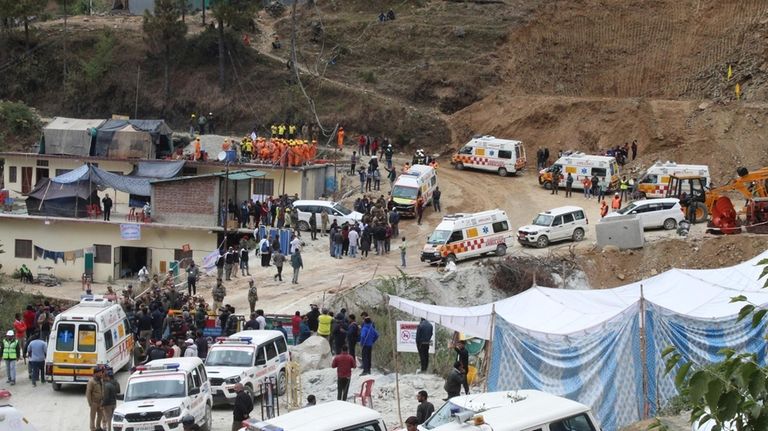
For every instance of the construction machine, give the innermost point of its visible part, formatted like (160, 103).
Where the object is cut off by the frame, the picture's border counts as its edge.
(699, 201)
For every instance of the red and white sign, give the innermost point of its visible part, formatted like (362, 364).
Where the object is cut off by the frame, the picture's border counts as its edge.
(406, 337)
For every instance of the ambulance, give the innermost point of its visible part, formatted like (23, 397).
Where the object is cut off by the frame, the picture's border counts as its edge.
(246, 357)
(460, 236)
(487, 153)
(95, 331)
(655, 181)
(405, 190)
(581, 165)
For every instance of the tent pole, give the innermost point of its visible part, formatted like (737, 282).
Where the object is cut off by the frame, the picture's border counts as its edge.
(644, 354)
(394, 358)
(45, 195)
(489, 351)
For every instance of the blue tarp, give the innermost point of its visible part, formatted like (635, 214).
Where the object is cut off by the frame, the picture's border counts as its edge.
(132, 184)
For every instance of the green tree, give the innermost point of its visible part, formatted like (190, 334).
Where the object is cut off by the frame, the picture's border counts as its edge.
(236, 14)
(22, 10)
(733, 392)
(164, 33)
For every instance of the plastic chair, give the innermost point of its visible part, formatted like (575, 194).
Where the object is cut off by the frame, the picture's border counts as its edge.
(365, 393)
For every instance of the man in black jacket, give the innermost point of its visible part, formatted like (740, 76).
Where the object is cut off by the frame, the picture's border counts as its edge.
(312, 318)
(243, 407)
(423, 340)
(462, 356)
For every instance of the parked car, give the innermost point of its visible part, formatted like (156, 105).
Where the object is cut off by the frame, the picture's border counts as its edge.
(654, 213)
(335, 211)
(559, 224)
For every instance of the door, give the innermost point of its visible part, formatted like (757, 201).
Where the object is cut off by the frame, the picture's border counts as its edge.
(556, 231)
(41, 173)
(654, 216)
(26, 179)
(569, 223)
(117, 263)
(149, 259)
(75, 349)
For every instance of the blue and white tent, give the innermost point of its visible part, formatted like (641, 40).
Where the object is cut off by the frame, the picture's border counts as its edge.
(586, 344)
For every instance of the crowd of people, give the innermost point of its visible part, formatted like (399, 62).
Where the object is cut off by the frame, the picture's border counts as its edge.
(272, 212)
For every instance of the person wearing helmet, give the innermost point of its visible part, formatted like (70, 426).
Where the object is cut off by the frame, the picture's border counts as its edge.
(188, 422)
(10, 351)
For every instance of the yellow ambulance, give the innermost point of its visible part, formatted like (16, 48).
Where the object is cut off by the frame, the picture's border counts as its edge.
(95, 331)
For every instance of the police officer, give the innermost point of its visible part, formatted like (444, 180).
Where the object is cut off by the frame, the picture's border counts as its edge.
(188, 422)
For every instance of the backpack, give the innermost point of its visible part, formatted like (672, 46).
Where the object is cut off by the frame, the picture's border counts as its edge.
(265, 247)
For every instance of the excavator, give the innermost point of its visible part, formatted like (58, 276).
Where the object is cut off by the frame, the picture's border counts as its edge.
(699, 200)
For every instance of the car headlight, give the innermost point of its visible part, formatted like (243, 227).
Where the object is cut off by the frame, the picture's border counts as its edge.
(232, 380)
(117, 417)
(172, 413)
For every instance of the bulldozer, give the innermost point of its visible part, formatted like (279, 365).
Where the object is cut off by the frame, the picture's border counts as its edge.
(700, 201)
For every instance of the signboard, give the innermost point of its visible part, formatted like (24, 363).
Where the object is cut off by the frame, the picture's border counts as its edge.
(406, 337)
(130, 232)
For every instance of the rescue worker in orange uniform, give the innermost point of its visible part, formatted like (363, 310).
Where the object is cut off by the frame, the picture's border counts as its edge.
(198, 151)
(616, 202)
(603, 209)
(340, 138)
(313, 150)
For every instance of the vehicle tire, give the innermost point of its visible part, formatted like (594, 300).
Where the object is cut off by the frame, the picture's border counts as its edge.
(56, 386)
(282, 383)
(304, 226)
(208, 420)
(578, 234)
(501, 250)
(542, 241)
(700, 211)
(547, 185)
(459, 166)
(670, 224)
(451, 258)
(502, 172)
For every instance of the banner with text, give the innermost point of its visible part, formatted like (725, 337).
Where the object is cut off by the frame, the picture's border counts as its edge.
(406, 337)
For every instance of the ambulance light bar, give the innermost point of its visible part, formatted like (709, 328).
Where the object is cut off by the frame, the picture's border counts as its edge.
(159, 367)
(245, 340)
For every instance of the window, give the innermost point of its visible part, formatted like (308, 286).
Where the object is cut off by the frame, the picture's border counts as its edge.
(558, 221)
(456, 236)
(505, 154)
(465, 150)
(86, 338)
(190, 383)
(567, 218)
(649, 179)
(23, 249)
(281, 346)
(500, 226)
(108, 343)
(575, 423)
(600, 172)
(12, 174)
(668, 205)
(262, 186)
(103, 253)
(127, 326)
(367, 427)
(203, 374)
(62, 171)
(653, 208)
(179, 254)
(271, 350)
(196, 378)
(260, 359)
(43, 163)
(578, 215)
(65, 337)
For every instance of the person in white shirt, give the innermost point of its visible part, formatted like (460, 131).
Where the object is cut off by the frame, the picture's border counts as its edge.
(295, 243)
(191, 349)
(353, 237)
(260, 319)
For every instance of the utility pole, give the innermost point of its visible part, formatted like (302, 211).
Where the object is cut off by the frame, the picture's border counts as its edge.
(226, 202)
(65, 39)
(136, 103)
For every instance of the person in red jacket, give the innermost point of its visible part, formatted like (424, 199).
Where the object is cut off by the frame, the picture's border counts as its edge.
(296, 327)
(30, 321)
(343, 362)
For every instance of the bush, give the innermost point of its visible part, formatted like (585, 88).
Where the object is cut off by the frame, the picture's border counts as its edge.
(18, 118)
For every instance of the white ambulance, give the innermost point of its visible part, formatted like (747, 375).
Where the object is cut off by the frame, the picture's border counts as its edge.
(581, 165)
(159, 394)
(487, 153)
(418, 179)
(246, 357)
(655, 181)
(95, 331)
(460, 236)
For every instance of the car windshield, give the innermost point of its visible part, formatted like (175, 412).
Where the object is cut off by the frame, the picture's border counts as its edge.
(543, 220)
(439, 237)
(445, 414)
(229, 358)
(404, 192)
(627, 209)
(145, 389)
(341, 209)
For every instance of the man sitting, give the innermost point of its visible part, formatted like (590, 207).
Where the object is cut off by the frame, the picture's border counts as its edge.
(26, 274)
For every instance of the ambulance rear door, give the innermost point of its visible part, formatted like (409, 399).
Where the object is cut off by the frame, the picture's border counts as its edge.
(75, 351)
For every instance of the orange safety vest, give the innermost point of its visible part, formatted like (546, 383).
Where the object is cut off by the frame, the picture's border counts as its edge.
(340, 139)
(603, 209)
(616, 203)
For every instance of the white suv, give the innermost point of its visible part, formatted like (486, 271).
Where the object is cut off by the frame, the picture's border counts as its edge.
(334, 209)
(246, 357)
(162, 392)
(558, 224)
(666, 213)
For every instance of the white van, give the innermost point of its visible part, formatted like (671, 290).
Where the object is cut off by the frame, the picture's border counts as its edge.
(460, 236)
(513, 411)
(331, 416)
(487, 153)
(246, 357)
(405, 190)
(655, 181)
(568, 222)
(162, 392)
(95, 331)
(581, 165)
(335, 210)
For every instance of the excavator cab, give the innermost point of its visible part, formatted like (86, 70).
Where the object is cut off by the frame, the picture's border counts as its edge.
(692, 192)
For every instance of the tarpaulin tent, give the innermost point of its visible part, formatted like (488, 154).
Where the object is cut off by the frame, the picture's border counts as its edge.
(61, 200)
(133, 139)
(132, 184)
(69, 136)
(586, 344)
